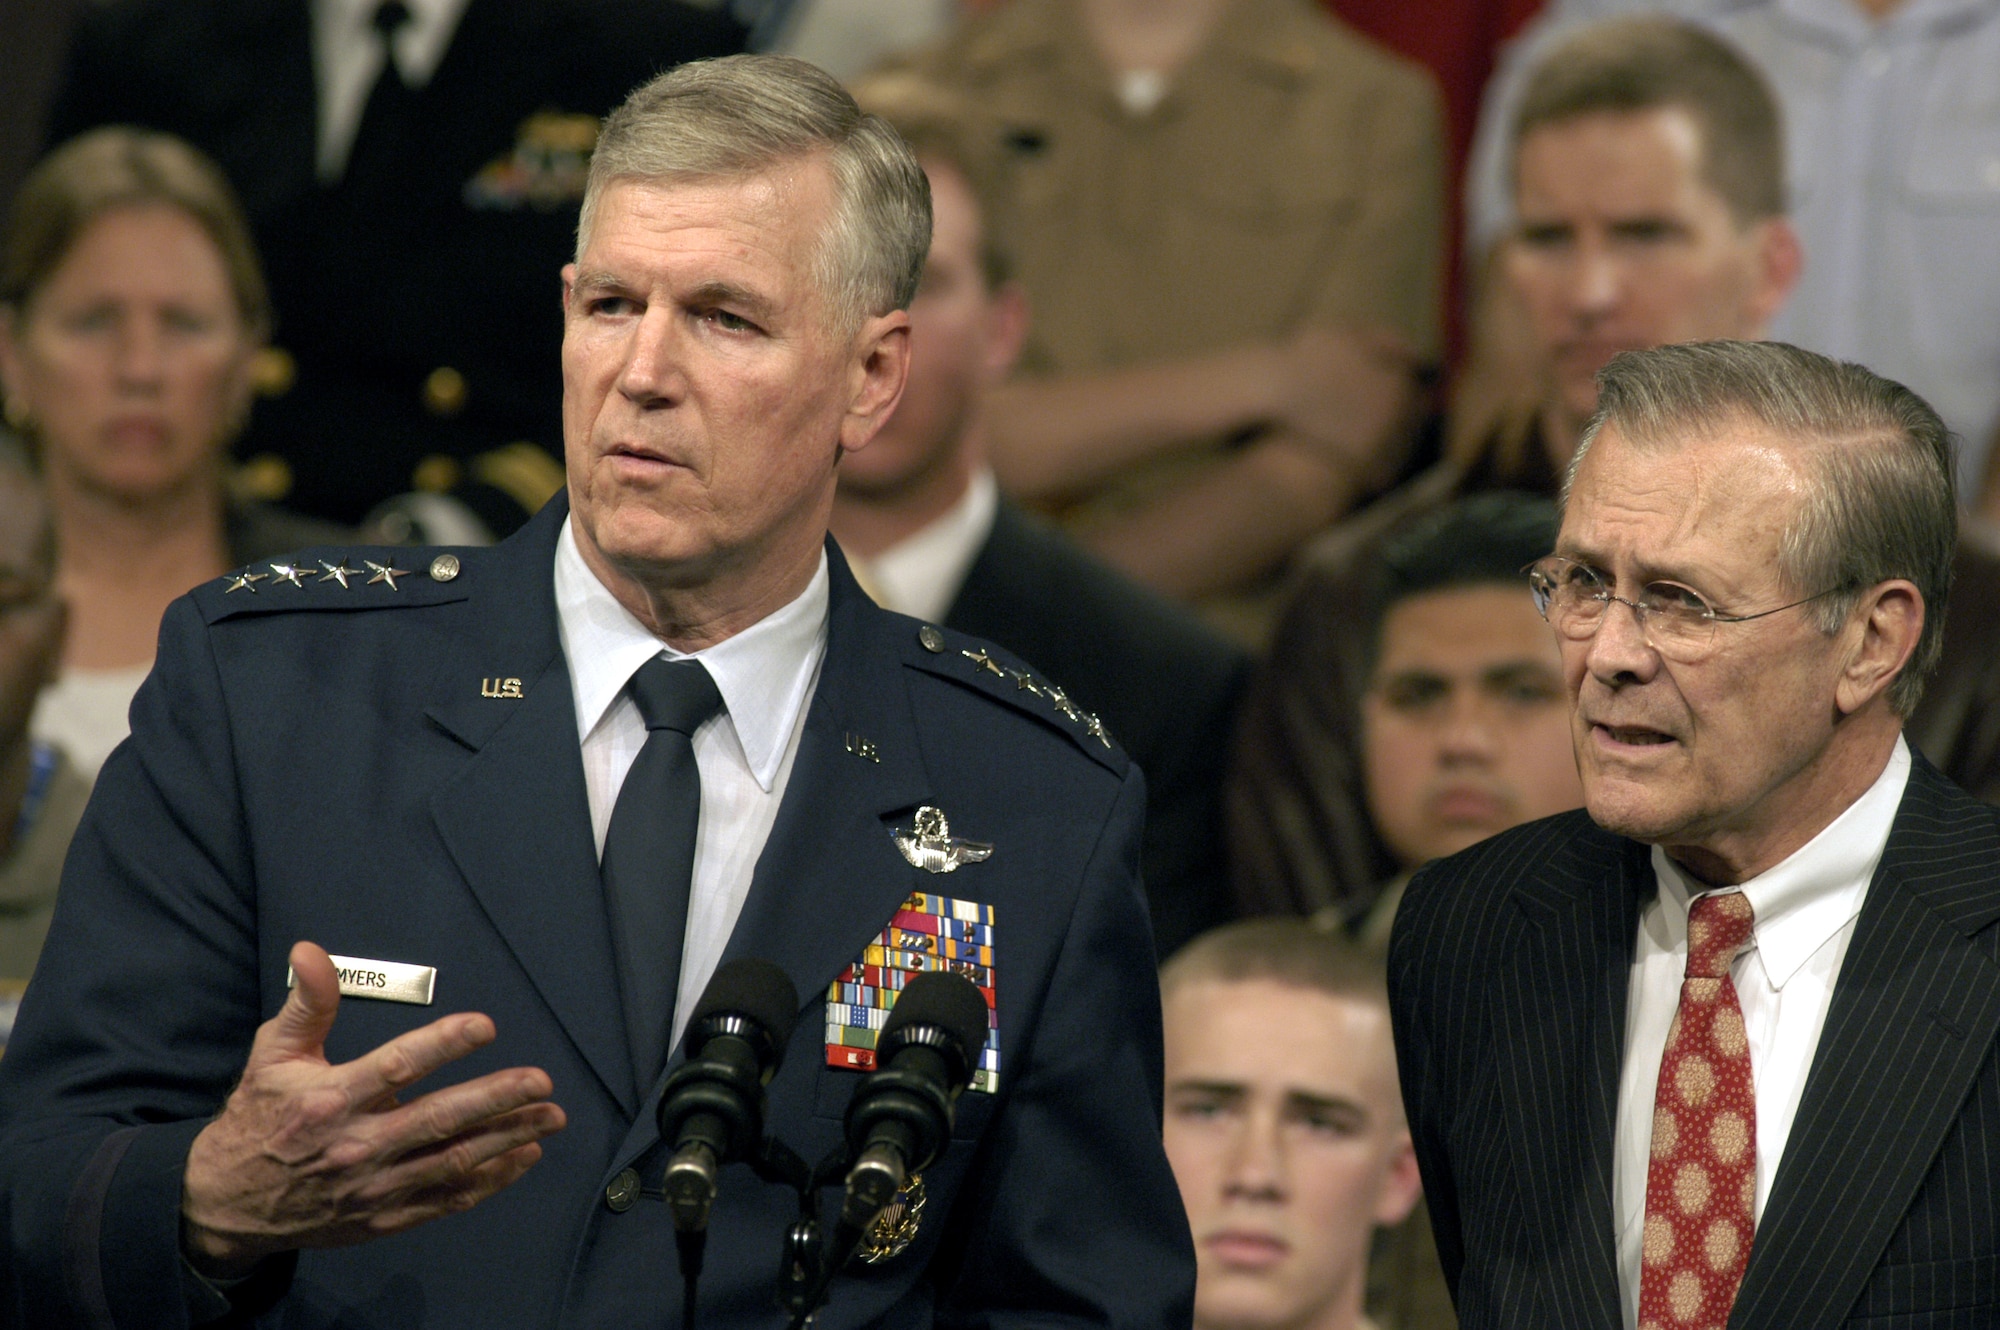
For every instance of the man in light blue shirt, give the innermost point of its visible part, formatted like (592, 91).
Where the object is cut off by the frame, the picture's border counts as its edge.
(1892, 120)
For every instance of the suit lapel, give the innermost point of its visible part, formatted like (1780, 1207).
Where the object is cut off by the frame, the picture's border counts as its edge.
(1560, 1018)
(830, 875)
(517, 818)
(1913, 1018)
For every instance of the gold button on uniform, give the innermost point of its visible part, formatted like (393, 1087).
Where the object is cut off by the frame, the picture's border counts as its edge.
(623, 1192)
(444, 391)
(444, 568)
(932, 639)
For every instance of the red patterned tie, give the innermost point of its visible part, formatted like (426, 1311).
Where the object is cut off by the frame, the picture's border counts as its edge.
(1701, 1186)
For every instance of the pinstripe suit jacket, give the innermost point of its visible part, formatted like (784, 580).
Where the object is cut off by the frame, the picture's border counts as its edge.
(1508, 977)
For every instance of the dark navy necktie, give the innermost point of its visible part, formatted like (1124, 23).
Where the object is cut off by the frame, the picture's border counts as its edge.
(649, 854)
(386, 115)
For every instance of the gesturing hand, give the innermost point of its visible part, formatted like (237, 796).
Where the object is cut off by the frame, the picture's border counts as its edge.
(307, 1154)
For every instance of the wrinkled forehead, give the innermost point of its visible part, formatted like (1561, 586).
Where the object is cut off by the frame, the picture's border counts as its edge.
(1666, 502)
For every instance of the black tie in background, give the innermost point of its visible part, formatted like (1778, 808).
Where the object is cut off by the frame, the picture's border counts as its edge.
(649, 854)
(386, 113)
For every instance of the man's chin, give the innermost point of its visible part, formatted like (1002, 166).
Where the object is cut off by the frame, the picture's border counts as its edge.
(1634, 812)
(1239, 1302)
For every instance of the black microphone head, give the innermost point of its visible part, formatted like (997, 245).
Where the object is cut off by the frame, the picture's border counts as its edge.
(752, 999)
(933, 1003)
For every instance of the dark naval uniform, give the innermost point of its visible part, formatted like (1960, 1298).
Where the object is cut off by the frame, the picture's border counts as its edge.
(418, 298)
(377, 750)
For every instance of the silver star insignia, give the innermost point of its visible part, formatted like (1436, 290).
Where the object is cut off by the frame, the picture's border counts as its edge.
(1022, 679)
(244, 581)
(290, 572)
(384, 573)
(338, 573)
(930, 845)
(1096, 729)
(984, 662)
(1060, 701)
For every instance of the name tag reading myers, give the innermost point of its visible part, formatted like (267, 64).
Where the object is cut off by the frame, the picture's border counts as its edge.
(388, 981)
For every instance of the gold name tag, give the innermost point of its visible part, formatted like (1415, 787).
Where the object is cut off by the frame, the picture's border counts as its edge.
(389, 981)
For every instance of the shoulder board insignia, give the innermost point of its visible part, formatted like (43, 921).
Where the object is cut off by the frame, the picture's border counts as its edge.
(334, 580)
(995, 673)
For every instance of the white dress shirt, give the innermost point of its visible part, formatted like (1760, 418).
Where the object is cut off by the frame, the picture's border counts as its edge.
(347, 59)
(766, 675)
(1805, 909)
(921, 575)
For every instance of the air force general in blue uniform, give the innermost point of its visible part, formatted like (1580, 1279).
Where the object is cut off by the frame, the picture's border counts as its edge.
(387, 763)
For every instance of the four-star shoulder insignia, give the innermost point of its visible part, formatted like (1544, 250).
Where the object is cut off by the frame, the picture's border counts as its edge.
(333, 579)
(985, 661)
(304, 575)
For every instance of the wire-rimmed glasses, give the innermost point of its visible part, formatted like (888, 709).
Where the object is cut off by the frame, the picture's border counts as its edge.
(1675, 620)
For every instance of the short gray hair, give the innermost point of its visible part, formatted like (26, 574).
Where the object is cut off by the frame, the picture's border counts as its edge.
(743, 114)
(1880, 502)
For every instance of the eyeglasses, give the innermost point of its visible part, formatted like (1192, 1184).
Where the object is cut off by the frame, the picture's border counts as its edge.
(1674, 620)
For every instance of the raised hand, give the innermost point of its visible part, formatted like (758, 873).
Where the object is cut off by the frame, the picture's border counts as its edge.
(308, 1154)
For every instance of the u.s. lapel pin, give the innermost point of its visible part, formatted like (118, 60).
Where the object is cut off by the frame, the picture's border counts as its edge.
(929, 845)
(862, 747)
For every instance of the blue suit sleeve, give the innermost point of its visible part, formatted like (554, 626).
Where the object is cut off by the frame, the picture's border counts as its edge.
(1076, 1216)
(139, 1017)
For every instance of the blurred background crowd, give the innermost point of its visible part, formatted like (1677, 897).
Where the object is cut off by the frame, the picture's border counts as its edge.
(1255, 339)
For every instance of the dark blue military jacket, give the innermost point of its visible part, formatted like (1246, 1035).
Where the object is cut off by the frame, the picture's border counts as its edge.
(346, 764)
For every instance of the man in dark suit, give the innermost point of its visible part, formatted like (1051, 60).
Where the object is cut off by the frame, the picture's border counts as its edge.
(1720, 1049)
(412, 173)
(919, 515)
(498, 781)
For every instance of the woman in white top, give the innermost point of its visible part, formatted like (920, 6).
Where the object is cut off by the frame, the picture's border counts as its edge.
(132, 312)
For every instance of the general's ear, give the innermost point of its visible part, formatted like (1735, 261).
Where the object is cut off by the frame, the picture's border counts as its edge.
(879, 369)
(1885, 629)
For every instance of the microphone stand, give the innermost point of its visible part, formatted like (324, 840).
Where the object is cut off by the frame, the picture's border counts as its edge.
(773, 1162)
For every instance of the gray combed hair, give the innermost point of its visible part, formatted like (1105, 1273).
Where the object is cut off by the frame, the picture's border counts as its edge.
(743, 114)
(1880, 500)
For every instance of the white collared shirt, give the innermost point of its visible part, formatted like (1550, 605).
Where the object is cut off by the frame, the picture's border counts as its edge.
(920, 576)
(347, 59)
(766, 675)
(1805, 908)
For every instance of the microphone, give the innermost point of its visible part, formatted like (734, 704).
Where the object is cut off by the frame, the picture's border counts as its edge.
(712, 1107)
(901, 1116)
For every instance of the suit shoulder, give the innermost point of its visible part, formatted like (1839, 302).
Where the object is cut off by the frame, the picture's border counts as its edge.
(1039, 577)
(1004, 680)
(340, 578)
(1477, 879)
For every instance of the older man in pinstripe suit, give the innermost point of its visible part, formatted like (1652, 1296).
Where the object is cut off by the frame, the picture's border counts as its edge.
(1719, 1050)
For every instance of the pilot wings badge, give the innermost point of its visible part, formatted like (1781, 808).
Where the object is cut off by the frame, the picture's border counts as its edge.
(929, 845)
